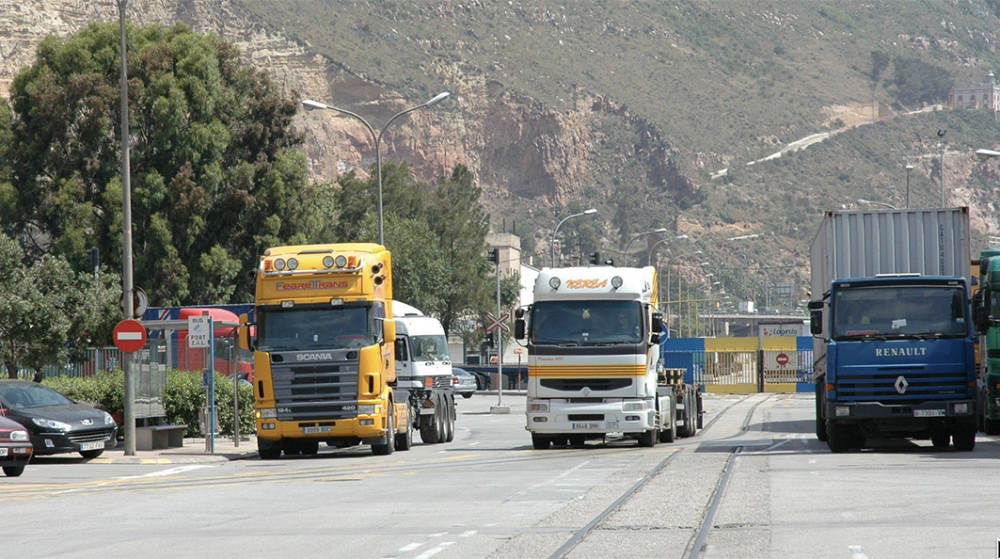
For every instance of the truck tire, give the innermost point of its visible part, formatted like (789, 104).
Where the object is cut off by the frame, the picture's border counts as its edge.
(668, 434)
(689, 428)
(991, 426)
(540, 442)
(964, 440)
(838, 437)
(267, 450)
(405, 440)
(430, 430)
(648, 438)
(449, 412)
(820, 420)
(388, 444)
(940, 439)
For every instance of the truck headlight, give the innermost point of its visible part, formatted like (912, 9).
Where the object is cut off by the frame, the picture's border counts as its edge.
(960, 408)
(369, 409)
(538, 406)
(269, 413)
(633, 406)
(842, 411)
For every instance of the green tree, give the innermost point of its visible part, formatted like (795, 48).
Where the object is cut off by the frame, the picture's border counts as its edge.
(216, 176)
(46, 312)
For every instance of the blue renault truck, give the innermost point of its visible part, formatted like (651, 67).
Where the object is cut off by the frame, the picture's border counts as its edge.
(893, 339)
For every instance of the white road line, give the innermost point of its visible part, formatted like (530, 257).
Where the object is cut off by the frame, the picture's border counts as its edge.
(562, 475)
(434, 550)
(410, 547)
(857, 552)
(169, 471)
(468, 533)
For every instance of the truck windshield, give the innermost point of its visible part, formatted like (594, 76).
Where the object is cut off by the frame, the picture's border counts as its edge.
(316, 327)
(429, 348)
(586, 322)
(899, 311)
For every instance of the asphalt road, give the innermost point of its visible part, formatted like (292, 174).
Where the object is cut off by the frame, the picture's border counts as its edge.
(754, 483)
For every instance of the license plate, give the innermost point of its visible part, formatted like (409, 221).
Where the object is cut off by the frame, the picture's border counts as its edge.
(928, 413)
(320, 429)
(93, 445)
(586, 426)
(3, 451)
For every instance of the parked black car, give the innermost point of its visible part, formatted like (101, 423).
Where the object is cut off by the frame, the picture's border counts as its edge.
(55, 423)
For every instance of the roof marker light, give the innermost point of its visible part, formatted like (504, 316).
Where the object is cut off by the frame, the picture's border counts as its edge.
(279, 264)
(341, 261)
(554, 282)
(328, 261)
(616, 282)
(293, 263)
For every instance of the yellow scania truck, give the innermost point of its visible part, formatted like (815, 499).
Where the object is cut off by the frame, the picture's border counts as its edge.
(323, 338)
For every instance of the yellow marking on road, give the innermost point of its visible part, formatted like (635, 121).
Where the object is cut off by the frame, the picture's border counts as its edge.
(460, 456)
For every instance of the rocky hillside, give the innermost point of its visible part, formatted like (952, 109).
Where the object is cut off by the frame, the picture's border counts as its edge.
(660, 115)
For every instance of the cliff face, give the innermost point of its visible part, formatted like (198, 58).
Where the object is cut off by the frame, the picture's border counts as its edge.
(515, 145)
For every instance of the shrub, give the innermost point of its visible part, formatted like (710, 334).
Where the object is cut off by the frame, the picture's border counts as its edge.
(182, 400)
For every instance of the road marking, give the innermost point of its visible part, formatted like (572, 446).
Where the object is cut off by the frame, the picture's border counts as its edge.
(857, 552)
(409, 547)
(168, 471)
(562, 475)
(468, 534)
(434, 550)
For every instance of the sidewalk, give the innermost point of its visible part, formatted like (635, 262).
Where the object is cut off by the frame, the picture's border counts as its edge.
(193, 452)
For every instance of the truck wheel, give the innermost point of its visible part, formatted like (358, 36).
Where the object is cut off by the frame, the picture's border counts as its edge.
(405, 440)
(430, 430)
(540, 442)
(648, 438)
(268, 450)
(940, 439)
(310, 448)
(388, 444)
(449, 412)
(964, 440)
(838, 437)
(668, 434)
(688, 429)
(577, 441)
(820, 420)
(991, 426)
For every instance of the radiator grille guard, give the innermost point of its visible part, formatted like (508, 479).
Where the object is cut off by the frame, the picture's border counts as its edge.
(901, 388)
(310, 385)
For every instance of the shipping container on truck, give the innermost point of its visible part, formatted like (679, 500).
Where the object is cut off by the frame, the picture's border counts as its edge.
(893, 338)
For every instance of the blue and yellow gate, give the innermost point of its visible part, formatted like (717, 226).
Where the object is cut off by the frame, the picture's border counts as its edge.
(743, 365)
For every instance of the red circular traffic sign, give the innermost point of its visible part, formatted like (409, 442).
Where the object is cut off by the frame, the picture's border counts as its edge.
(781, 359)
(129, 335)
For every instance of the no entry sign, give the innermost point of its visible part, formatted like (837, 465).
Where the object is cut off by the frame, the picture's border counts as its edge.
(129, 336)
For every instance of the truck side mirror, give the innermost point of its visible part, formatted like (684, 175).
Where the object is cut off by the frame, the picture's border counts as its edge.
(657, 325)
(815, 322)
(389, 330)
(519, 328)
(246, 340)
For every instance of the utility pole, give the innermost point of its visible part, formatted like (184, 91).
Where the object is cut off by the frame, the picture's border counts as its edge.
(127, 286)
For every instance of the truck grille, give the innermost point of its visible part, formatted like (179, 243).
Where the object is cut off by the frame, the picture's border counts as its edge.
(881, 387)
(317, 389)
(576, 384)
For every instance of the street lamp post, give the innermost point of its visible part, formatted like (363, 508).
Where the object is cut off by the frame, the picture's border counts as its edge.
(649, 257)
(377, 137)
(876, 203)
(636, 236)
(127, 286)
(552, 245)
(908, 169)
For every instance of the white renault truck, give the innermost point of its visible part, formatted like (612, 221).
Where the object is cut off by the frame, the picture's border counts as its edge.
(423, 373)
(594, 372)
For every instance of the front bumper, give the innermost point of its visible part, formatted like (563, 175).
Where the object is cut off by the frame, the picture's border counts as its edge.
(361, 428)
(77, 440)
(15, 454)
(564, 417)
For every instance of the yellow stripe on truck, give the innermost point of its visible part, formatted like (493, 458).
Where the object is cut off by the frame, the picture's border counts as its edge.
(550, 371)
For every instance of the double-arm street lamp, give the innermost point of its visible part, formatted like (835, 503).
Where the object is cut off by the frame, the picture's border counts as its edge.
(636, 236)
(552, 245)
(377, 137)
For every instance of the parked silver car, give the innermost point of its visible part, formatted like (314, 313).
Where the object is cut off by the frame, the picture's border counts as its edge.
(463, 382)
